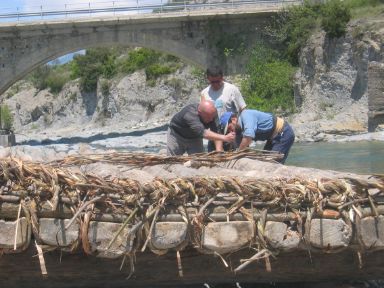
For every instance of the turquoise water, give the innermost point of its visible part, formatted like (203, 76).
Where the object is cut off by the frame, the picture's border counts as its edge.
(363, 157)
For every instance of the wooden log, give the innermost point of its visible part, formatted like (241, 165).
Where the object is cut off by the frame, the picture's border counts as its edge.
(66, 270)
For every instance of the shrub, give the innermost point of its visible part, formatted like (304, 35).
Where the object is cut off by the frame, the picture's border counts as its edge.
(6, 118)
(156, 70)
(139, 59)
(56, 80)
(293, 27)
(105, 86)
(50, 76)
(268, 86)
(336, 15)
(39, 75)
(95, 63)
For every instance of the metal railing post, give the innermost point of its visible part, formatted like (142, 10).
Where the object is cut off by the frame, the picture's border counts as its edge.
(65, 8)
(41, 11)
(137, 6)
(161, 7)
(113, 4)
(18, 15)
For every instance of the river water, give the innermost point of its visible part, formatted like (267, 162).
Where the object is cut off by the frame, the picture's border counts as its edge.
(363, 157)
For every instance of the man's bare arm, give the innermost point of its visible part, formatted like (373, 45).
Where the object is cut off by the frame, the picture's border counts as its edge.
(210, 135)
(245, 142)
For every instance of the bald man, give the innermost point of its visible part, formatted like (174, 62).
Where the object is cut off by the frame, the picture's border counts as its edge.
(189, 126)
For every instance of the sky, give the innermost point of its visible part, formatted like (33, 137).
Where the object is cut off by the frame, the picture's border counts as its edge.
(24, 5)
(28, 6)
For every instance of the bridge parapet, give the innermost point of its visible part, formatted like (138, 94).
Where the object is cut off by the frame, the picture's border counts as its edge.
(142, 7)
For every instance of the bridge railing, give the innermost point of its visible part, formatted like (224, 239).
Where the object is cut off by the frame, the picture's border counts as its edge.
(111, 8)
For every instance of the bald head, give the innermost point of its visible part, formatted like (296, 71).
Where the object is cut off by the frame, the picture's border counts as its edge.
(207, 111)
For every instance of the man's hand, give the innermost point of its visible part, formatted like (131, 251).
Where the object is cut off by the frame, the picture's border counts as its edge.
(245, 142)
(230, 137)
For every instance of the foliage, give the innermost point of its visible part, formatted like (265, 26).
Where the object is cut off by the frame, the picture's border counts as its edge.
(363, 3)
(227, 44)
(139, 59)
(156, 70)
(336, 15)
(293, 27)
(155, 64)
(105, 86)
(52, 77)
(268, 86)
(95, 63)
(6, 118)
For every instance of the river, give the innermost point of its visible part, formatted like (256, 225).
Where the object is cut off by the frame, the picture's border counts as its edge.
(363, 157)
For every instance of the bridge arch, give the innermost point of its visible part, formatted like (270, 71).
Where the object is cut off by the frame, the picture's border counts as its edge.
(190, 37)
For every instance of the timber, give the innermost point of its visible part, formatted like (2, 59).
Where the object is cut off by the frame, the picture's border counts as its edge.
(215, 218)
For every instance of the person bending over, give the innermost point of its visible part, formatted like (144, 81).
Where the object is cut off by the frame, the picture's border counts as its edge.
(189, 126)
(255, 125)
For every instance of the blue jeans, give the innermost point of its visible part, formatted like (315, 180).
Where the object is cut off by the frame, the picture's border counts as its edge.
(282, 142)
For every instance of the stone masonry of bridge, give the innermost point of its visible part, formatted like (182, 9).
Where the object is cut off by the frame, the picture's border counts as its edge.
(196, 38)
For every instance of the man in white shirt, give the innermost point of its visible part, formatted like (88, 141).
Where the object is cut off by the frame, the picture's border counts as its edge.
(226, 97)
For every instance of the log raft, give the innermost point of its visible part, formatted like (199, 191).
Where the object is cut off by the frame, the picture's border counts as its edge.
(137, 220)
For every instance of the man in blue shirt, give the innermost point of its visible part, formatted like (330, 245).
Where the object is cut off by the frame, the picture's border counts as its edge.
(260, 126)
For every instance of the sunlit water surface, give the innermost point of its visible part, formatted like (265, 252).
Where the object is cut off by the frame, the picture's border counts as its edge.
(362, 157)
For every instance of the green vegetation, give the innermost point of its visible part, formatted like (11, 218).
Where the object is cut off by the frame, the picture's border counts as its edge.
(268, 83)
(95, 63)
(155, 64)
(335, 16)
(226, 44)
(6, 118)
(103, 63)
(366, 8)
(52, 77)
(293, 27)
(268, 86)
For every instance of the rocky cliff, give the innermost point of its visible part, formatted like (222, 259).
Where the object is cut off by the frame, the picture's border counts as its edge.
(331, 86)
(128, 103)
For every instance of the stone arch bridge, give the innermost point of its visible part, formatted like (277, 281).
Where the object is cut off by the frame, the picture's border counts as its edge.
(201, 37)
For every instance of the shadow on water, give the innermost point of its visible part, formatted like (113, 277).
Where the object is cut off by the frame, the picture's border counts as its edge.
(97, 137)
